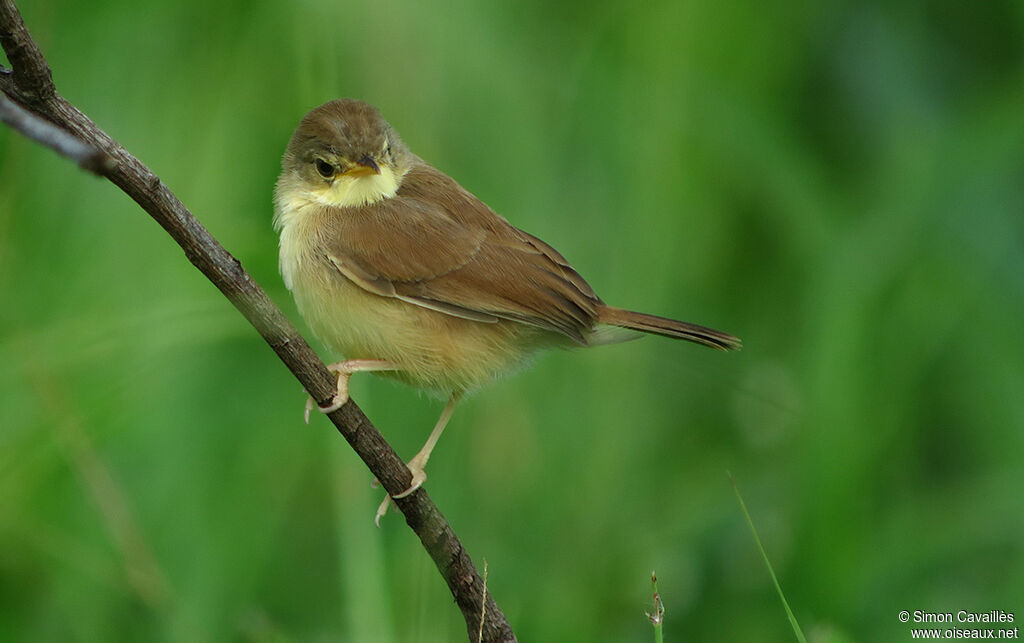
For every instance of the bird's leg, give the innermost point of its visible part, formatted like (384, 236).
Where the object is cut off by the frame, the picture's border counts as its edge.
(418, 463)
(344, 370)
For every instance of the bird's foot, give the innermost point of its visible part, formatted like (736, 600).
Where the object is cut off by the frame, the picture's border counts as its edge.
(419, 476)
(344, 371)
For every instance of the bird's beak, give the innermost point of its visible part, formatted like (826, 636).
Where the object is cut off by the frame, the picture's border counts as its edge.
(365, 166)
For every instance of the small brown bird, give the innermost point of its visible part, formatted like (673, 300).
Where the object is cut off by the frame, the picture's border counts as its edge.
(402, 271)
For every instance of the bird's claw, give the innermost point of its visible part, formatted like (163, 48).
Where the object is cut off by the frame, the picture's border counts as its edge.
(336, 403)
(419, 476)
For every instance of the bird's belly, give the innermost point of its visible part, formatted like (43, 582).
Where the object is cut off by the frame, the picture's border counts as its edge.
(432, 349)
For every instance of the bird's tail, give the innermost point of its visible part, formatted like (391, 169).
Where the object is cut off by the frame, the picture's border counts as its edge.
(668, 328)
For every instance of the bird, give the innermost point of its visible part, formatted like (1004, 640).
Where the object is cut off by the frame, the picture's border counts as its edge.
(403, 272)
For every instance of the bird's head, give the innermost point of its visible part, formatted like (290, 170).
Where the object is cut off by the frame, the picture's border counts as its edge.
(343, 154)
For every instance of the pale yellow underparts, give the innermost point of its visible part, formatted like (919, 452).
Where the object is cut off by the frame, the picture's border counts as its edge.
(434, 350)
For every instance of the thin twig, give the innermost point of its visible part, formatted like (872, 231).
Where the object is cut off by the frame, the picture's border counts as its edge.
(657, 618)
(30, 85)
(43, 131)
(483, 607)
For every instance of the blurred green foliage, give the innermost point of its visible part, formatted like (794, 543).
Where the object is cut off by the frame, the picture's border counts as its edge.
(839, 183)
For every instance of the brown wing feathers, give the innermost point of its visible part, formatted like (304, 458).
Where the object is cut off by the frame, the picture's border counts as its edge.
(528, 288)
(461, 258)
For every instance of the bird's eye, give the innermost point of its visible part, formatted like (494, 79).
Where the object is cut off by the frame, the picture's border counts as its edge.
(324, 168)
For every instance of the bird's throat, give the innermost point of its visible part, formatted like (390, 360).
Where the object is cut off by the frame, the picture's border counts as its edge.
(355, 191)
(296, 201)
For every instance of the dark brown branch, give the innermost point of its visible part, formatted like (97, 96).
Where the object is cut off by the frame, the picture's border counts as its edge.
(30, 72)
(30, 85)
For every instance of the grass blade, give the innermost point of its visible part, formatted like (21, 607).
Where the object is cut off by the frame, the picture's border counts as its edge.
(778, 588)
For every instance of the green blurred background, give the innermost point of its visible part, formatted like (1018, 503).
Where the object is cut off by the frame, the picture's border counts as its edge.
(839, 183)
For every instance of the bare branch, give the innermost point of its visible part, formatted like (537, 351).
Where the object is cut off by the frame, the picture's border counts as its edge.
(43, 131)
(31, 74)
(30, 85)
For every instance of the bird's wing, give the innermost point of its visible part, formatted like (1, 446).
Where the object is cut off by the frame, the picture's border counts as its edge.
(436, 245)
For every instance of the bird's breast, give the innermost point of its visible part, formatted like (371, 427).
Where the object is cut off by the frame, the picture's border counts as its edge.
(434, 350)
